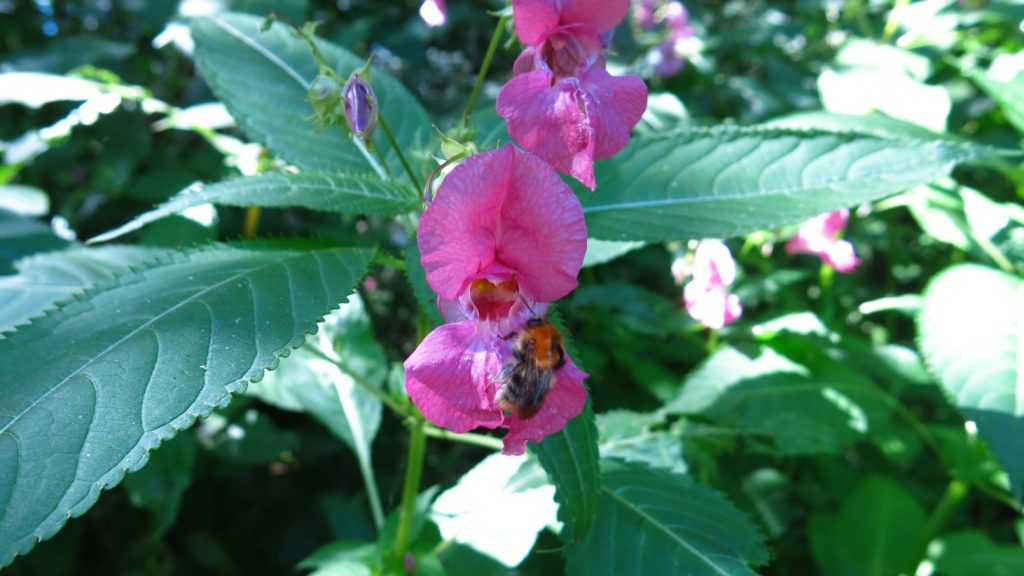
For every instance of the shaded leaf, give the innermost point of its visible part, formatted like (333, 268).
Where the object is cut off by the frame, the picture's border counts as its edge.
(657, 523)
(143, 356)
(878, 532)
(570, 457)
(20, 237)
(45, 279)
(971, 552)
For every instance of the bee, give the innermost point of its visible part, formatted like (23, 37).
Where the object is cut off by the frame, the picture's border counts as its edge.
(527, 378)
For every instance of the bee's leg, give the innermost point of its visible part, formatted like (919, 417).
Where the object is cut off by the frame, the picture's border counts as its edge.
(509, 336)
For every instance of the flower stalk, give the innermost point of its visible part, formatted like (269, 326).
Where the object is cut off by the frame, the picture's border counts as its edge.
(492, 48)
(410, 489)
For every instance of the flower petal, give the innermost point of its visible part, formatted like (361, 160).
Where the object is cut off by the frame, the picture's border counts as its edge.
(551, 121)
(534, 19)
(434, 12)
(448, 377)
(563, 403)
(602, 15)
(711, 304)
(504, 210)
(616, 104)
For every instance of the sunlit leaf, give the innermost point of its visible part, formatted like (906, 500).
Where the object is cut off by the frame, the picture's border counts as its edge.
(723, 182)
(970, 332)
(262, 77)
(328, 192)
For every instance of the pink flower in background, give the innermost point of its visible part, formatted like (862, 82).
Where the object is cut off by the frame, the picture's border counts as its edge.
(670, 51)
(503, 235)
(706, 295)
(562, 104)
(643, 13)
(820, 236)
(434, 12)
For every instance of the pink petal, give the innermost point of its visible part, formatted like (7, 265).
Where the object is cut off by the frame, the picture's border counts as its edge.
(834, 223)
(841, 256)
(449, 377)
(616, 104)
(602, 15)
(713, 263)
(534, 19)
(551, 121)
(434, 12)
(504, 211)
(563, 403)
(711, 304)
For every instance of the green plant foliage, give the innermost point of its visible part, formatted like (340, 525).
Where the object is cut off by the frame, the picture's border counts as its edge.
(653, 522)
(327, 192)
(136, 367)
(971, 328)
(878, 531)
(970, 552)
(570, 457)
(770, 397)
(45, 279)
(263, 77)
(20, 237)
(722, 182)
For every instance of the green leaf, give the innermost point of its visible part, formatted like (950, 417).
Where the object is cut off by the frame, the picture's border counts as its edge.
(628, 436)
(878, 532)
(417, 277)
(602, 251)
(45, 279)
(20, 236)
(1007, 92)
(36, 89)
(327, 192)
(971, 333)
(971, 552)
(263, 77)
(653, 522)
(723, 182)
(141, 357)
(570, 457)
(24, 200)
(770, 397)
(344, 558)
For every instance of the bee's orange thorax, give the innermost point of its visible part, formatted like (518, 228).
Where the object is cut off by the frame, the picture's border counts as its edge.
(546, 345)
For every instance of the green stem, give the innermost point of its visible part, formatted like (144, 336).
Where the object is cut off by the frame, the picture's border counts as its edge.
(252, 222)
(380, 169)
(467, 438)
(955, 492)
(411, 488)
(491, 49)
(394, 145)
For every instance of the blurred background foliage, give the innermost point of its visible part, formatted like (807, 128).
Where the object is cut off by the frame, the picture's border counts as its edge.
(260, 486)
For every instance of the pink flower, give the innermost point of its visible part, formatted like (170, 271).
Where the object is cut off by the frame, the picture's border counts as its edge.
(706, 295)
(504, 235)
(820, 236)
(643, 13)
(562, 104)
(434, 12)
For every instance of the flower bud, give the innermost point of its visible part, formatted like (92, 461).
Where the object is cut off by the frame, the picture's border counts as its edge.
(360, 107)
(325, 96)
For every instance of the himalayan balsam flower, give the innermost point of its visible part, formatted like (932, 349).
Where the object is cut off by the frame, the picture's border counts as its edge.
(706, 295)
(671, 51)
(562, 104)
(361, 107)
(820, 236)
(504, 235)
(434, 13)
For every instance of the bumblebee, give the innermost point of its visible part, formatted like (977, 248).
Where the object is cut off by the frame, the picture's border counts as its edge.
(526, 380)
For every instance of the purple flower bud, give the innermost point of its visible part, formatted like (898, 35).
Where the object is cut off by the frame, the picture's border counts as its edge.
(360, 107)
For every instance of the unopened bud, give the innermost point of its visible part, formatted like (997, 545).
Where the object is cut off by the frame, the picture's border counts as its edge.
(325, 96)
(360, 107)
